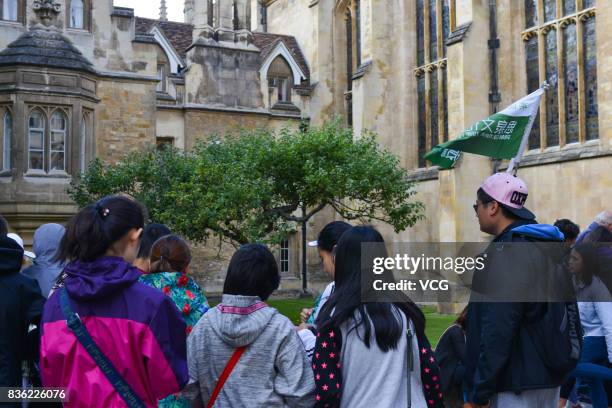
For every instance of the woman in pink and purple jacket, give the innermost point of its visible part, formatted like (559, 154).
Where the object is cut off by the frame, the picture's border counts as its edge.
(137, 328)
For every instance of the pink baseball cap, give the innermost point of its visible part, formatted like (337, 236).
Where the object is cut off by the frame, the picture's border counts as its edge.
(510, 192)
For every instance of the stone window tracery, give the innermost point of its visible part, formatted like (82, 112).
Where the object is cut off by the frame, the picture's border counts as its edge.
(47, 139)
(560, 48)
(6, 140)
(433, 24)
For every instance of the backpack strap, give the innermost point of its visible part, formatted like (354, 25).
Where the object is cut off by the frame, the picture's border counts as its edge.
(112, 375)
(410, 358)
(231, 364)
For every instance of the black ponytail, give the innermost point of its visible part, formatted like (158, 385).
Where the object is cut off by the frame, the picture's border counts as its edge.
(97, 227)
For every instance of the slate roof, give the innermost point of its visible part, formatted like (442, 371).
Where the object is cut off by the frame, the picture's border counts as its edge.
(47, 48)
(180, 36)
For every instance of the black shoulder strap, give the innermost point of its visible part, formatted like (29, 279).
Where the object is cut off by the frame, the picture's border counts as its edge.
(410, 361)
(78, 329)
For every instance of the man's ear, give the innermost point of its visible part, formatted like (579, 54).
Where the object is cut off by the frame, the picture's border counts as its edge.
(494, 208)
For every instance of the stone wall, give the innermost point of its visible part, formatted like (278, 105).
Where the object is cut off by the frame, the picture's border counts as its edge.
(223, 76)
(571, 181)
(125, 118)
(200, 123)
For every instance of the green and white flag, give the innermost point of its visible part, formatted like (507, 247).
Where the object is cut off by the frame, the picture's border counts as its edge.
(499, 136)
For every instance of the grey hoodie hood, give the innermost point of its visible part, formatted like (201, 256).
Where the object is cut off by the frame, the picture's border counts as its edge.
(47, 239)
(45, 270)
(239, 320)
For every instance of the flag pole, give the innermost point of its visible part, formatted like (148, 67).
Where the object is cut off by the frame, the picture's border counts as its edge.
(516, 159)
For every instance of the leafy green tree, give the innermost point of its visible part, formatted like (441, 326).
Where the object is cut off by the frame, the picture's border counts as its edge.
(258, 185)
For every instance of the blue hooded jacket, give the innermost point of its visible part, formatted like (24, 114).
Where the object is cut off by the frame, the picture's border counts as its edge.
(500, 355)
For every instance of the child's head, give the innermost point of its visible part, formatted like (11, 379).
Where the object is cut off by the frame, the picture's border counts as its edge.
(170, 253)
(583, 262)
(110, 226)
(327, 241)
(151, 233)
(252, 272)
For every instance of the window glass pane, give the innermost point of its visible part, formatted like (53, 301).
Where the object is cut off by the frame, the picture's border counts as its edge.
(569, 7)
(531, 13)
(349, 51)
(420, 33)
(9, 10)
(36, 160)
(445, 24)
(531, 52)
(550, 10)
(284, 256)
(83, 137)
(590, 70)
(57, 161)
(570, 58)
(358, 32)
(588, 3)
(36, 120)
(57, 141)
(36, 139)
(445, 102)
(161, 85)
(58, 121)
(433, 107)
(552, 103)
(76, 14)
(6, 145)
(421, 103)
(433, 32)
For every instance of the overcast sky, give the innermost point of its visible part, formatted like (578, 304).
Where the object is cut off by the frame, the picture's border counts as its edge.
(150, 8)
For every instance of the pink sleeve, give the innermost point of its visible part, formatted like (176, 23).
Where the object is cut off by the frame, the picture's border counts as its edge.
(165, 350)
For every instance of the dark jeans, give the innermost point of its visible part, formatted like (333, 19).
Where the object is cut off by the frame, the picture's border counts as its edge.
(592, 370)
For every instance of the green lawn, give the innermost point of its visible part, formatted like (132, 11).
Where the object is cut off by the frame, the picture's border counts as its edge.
(436, 323)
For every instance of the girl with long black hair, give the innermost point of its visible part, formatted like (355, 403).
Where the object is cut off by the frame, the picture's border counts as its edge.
(371, 353)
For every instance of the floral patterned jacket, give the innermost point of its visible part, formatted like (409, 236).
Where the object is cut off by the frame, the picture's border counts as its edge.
(190, 300)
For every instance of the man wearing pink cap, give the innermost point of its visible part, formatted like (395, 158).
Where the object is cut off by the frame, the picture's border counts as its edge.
(504, 367)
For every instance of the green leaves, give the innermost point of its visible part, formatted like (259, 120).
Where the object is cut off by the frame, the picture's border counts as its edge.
(251, 186)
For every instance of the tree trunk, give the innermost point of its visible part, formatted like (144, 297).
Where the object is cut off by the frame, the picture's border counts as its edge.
(304, 271)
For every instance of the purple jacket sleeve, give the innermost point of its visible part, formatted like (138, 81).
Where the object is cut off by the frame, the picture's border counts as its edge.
(168, 329)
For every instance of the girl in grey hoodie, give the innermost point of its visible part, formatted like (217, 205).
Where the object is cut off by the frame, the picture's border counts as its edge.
(273, 371)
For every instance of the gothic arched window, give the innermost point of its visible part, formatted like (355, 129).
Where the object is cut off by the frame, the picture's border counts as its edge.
(10, 10)
(6, 141)
(57, 147)
(78, 14)
(280, 79)
(83, 144)
(353, 51)
(36, 140)
(47, 140)
(433, 28)
(560, 34)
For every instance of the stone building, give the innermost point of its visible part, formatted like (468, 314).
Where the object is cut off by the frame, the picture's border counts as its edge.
(81, 79)
(417, 72)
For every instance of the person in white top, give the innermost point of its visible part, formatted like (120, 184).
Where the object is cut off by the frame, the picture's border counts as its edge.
(374, 347)
(595, 306)
(326, 244)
